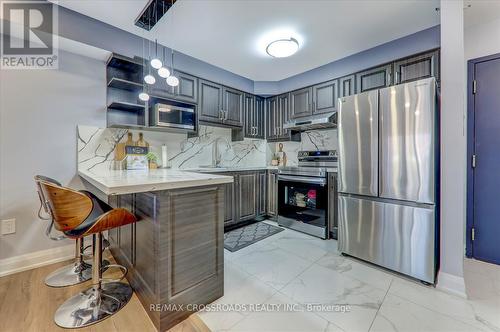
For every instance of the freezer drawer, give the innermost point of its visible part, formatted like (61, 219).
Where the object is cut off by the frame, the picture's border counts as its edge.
(407, 141)
(358, 144)
(398, 237)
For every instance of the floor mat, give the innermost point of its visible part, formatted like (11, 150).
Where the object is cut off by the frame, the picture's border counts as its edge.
(243, 237)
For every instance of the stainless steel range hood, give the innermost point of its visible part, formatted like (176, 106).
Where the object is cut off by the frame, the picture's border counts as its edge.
(319, 121)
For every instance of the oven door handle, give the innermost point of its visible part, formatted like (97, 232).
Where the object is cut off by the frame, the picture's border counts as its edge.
(304, 179)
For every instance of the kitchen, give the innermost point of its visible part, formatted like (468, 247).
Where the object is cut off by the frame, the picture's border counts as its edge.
(287, 177)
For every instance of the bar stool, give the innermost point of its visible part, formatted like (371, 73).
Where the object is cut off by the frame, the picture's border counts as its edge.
(79, 214)
(81, 270)
(69, 275)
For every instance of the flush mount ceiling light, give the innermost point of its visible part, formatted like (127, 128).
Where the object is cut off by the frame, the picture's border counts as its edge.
(282, 48)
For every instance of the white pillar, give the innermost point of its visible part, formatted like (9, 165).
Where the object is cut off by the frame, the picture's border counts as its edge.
(453, 147)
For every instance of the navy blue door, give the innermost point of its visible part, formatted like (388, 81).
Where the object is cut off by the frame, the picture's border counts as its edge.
(486, 245)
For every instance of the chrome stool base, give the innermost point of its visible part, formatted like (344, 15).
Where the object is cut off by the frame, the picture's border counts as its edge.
(72, 274)
(92, 306)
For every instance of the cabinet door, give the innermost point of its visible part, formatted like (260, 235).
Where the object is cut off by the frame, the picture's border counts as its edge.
(259, 118)
(210, 108)
(325, 97)
(417, 67)
(375, 78)
(261, 193)
(300, 103)
(272, 106)
(249, 116)
(247, 196)
(346, 86)
(233, 107)
(272, 194)
(229, 201)
(283, 115)
(187, 90)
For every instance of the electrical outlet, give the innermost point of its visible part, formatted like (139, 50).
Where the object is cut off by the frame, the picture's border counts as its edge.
(8, 226)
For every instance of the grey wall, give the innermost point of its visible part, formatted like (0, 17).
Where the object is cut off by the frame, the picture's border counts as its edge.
(418, 42)
(453, 138)
(39, 111)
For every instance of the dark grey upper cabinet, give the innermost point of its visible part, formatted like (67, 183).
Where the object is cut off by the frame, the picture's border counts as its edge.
(346, 86)
(417, 67)
(247, 196)
(283, 115)
(260, 121)
(187, 90)
(325, 97)
(249, 116)
(375, 78)
(254, 117)
(232, 107)
(272, 117)
(301, 102)
(210, 103)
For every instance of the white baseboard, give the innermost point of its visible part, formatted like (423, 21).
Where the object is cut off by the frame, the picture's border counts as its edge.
(36, 259)
(451, 284)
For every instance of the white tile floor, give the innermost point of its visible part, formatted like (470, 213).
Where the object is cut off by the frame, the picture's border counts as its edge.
(294, 268)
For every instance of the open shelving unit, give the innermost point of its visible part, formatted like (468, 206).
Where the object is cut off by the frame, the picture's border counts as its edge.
(124, 82)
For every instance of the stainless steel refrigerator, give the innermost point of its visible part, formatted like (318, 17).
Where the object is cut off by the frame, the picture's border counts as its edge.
(388, 171)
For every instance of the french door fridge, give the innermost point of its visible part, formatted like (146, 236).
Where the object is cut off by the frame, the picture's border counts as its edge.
(388, 154)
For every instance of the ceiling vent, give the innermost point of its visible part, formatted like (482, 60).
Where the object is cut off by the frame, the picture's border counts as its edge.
(152, 13)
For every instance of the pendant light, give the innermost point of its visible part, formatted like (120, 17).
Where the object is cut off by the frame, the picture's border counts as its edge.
(156, 62)
(143, 96)
(172, 80)
(163, 71)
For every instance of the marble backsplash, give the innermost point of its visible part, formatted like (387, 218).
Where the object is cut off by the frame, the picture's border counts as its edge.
(96, 147)
(325, 139)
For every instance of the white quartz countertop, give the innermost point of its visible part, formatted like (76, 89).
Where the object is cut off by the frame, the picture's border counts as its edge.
(130, 181)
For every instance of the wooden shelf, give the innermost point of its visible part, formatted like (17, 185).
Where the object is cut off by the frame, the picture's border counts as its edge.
(123, 84)
(123, 106)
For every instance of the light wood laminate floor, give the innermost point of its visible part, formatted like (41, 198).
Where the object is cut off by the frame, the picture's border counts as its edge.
(26, 304)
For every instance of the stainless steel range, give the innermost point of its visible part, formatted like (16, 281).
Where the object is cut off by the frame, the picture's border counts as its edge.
(303, 193)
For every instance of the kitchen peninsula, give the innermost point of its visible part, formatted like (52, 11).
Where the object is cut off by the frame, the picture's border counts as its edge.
(174, 254)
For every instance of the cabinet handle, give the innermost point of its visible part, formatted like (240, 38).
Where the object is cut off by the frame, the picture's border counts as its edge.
(220, 114)
(225, 115)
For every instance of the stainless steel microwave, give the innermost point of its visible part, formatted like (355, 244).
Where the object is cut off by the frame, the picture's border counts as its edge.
(174, 116)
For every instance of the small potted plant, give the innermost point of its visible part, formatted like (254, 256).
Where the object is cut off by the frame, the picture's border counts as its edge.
(153, 160)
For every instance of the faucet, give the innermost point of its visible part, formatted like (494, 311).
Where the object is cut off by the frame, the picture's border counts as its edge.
(216, 155)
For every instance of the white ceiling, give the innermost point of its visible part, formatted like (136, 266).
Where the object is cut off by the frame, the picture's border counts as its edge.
(481, 11)
(233, 34)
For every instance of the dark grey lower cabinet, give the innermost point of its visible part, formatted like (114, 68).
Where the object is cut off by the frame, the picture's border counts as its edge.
(229, 203)
(247, 196)
(272, 194)
(261, 193)
(332, 205)
(174, 253)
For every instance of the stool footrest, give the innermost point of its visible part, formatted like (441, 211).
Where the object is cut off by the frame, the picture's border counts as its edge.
(121, 267)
